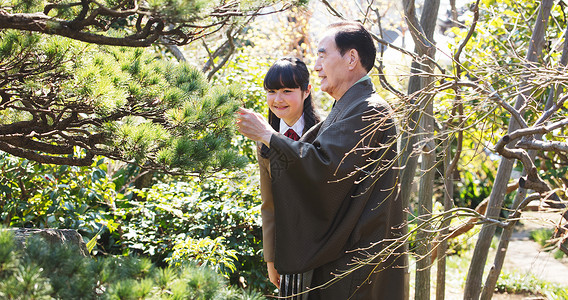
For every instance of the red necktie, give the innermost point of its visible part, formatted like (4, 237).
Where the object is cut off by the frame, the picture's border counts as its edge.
(292, 134)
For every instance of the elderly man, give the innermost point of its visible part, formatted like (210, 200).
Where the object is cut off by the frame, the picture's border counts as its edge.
(335, 190)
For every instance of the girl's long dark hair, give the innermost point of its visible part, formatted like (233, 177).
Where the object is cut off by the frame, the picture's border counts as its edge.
(289, 72)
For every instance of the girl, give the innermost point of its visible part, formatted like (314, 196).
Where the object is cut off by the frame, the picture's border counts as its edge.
(292, 113)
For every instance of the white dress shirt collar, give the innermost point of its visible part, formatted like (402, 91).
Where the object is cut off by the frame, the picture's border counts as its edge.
(298, 127)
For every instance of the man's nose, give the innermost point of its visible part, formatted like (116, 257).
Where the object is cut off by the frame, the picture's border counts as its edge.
(317, 66)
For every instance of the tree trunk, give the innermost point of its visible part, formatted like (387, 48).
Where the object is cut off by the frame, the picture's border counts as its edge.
(422, 34)
(423, 237)
(449, 168)
(473, 283)
(409, 162)
(443, 246)
(450, 164)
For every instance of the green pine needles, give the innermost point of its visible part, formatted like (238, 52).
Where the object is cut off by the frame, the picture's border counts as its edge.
(65, 102)
(44, 271)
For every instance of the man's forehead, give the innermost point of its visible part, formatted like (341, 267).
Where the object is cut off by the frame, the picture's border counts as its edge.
(326, 43)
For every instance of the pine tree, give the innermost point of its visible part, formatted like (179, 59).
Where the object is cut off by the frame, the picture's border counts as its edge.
(64, 101)
(45, 271)
(132, 23)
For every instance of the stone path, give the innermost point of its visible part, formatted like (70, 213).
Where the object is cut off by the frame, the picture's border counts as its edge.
(524, 256)
(527, 257)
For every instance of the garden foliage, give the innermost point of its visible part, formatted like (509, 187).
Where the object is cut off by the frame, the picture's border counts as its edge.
(45, 271)
(208, 220)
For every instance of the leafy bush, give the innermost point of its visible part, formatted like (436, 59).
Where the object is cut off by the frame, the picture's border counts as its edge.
(541, 236)
(514, 283)
(148, 222)
(206, 251)
(51, 196)
(476, 183)
(212, 221)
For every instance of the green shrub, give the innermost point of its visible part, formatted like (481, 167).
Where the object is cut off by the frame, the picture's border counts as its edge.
(213, 221)
(148, 222)
(541, 236)
(206, 251)
(515, 283)
(44, 271)
(50, 196)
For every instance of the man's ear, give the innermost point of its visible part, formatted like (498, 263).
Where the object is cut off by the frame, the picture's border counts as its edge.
(353, 59)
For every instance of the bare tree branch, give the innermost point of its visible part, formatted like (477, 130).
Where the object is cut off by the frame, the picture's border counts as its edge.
(149, 23)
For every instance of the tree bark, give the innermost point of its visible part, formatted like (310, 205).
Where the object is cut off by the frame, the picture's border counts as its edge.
(423, 237)
(449, 168)
(38, 22)
(450, 164)
(472, 288)
(422, 33)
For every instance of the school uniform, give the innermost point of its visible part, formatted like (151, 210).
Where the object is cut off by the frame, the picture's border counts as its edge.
(289, 284)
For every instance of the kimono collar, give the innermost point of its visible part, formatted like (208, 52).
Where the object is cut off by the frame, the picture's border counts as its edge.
(360, 89)
(362, 79)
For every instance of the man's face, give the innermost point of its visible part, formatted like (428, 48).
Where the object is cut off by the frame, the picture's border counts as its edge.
(332, 68)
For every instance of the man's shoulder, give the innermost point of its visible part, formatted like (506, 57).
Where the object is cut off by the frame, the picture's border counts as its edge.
(376, 100)
(372, 101)
(362, 99)
(365, 91)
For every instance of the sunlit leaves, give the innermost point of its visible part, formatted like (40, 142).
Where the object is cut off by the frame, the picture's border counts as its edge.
(206, 251)
(57, 196)
(178, 10)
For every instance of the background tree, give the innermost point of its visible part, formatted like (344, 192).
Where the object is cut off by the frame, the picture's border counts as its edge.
(418, 138)
(493, 85)
(65, 103)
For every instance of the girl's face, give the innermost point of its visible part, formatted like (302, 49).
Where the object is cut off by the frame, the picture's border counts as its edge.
(287, 103)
